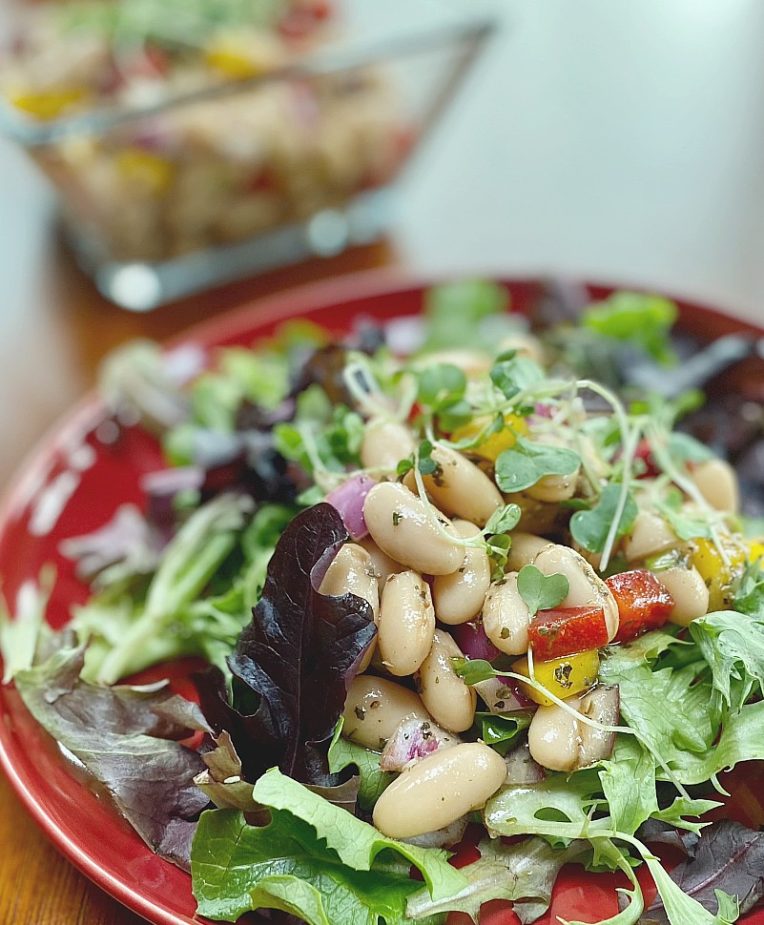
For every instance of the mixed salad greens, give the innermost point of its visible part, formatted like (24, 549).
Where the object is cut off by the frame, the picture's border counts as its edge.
(455, 596)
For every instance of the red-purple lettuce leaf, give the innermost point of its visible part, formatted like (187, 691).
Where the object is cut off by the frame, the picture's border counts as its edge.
(728, 857)
(293, 663)
(126, 738)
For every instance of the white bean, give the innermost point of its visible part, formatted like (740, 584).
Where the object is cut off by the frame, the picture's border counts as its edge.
(406, 623)
(352, 571)
(718, 483)
(524, 549)
(459, 596)
(374, 708)
(385, 444)
(506, 617)
(450, 702)
(650, 535)
(586, 588)
(399, 524)
(553, 737)
(690, 593)
(470, 362)
(524, 344)
(383, 565)
(460, 488)
(439, 790)
(552, 489)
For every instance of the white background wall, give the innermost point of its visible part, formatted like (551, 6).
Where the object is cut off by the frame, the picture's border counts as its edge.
(621, 139)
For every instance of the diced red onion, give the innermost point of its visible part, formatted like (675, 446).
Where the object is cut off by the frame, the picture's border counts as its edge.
(349, 499)
(472, 640)
(413, 740)
(521, 768)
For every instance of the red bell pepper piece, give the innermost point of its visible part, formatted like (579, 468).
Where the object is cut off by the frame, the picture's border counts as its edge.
(566, 631)
(644, 604)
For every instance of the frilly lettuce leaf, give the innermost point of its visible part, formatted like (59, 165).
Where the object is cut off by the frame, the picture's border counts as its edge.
(345, 869)
(126, 737)
(523, 873)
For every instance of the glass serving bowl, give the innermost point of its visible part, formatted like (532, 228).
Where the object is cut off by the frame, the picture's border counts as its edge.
(253, 153)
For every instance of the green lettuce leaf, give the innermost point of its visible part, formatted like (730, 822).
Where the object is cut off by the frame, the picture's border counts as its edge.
(523, 873)
(373, 781)
(628, 781)
(360, 876)
(639, 318)
(733, 646)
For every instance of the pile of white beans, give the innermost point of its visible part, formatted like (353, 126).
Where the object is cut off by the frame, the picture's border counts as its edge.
(413, 675)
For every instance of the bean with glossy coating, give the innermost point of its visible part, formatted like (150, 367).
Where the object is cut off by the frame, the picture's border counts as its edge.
(551, 489)
(462, 489)
(450, 702)
(524, 549)
(352, 571)
(650, 534)
(373, 709)
(553, 737)
(385, 444)
(406, 623)
(506, 616)
(400, 525)
(383, 565)
(586, 588)
(459, 597)
(718, 483)
(439, 789)
(691, 594)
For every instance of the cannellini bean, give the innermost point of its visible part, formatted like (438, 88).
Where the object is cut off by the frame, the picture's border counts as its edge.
(374, 709)
(439, 790)
(554, 488)
(458, 597)
(506, 617)
(586, 588)
(470, 362)
(461, 488)
(536, 516)
(553, 737)
(352, 571)
(649, 536)
(718, 483)
(690, 593)
(406, 623)
(449, 701)
(525, 344)
(383, 565)
(399, 524)
(524, 549)
(385, 444)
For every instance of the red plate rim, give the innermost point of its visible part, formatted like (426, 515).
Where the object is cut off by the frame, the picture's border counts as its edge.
(290, 303)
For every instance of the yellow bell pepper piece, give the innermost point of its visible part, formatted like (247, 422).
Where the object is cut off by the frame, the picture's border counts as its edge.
(47, 104)
(563, 677)
(717, 575)
(144, 168)
(756, 551)
(492, 447)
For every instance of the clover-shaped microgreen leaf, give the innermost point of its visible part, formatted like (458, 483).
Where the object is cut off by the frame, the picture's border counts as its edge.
(540, 591)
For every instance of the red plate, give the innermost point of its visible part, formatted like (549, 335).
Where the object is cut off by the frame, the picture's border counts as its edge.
(85, 828)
